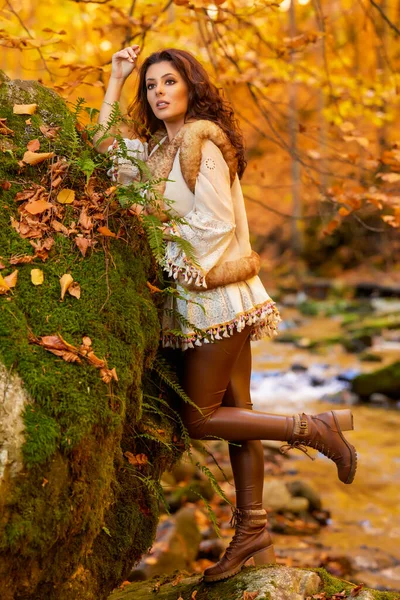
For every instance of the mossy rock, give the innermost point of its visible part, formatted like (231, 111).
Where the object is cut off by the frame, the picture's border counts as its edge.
(271, 582)
(74, 514)
(385, 381)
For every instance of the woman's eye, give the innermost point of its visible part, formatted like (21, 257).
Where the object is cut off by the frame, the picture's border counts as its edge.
(172, 80)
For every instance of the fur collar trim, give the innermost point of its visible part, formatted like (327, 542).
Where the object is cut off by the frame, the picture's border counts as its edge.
(189, 140)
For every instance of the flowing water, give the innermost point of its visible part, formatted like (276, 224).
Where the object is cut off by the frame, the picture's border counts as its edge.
(366, 513)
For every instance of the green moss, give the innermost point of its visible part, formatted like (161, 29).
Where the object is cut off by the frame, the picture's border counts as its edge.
(332, 585)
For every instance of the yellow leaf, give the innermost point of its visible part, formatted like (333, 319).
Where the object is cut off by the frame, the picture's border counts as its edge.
(24, 109)
(65, 282)
(37, 276)
(66, 196)
(34, 158)
(4, 287)
(343, 212)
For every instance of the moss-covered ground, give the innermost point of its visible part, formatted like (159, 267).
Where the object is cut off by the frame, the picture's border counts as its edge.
(79, 514)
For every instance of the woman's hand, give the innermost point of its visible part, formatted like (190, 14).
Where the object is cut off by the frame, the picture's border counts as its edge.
(124, 61)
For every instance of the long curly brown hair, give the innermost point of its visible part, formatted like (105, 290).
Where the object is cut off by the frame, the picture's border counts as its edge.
(205, 101)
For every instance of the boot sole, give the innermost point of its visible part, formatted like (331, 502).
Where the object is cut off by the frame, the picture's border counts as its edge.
(344, 422)
(265, 556)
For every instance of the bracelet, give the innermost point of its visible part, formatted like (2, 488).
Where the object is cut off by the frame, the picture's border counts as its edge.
(105, 102)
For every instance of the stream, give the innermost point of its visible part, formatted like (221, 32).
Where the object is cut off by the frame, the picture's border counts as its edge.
(365, 516)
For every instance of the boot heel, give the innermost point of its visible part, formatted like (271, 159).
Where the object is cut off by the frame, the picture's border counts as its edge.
(344, 418)
(266, 556)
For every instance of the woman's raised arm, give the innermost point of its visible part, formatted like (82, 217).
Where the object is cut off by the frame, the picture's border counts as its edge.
(123, 63)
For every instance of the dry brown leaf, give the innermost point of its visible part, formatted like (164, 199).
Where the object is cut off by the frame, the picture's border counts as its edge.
(25, 195)
(138, 459)
(65, 282)
(356, 590)
(24, 109)
(49, 132)
(105, 231)
(85, 220)
(59, 227)
(56, 182)
(37, 276)
(194, 594)
(83, 244)
(108, 374)
(21, 259)
(75, 290)
(4, 130)
(37, 207)
(2, 265)
(95, 361)
(86, 341)
(5, 185)
(66, 196)
(33, 145)
(33, 158)
(250, 595)
(28, 121)
(58, 346)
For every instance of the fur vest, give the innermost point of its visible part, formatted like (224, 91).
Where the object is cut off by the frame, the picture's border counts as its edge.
(189, 141)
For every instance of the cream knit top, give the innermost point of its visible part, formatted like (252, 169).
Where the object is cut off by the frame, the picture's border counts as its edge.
(216, 226)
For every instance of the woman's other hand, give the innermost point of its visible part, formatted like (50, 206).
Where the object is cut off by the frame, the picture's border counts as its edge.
(124, 61)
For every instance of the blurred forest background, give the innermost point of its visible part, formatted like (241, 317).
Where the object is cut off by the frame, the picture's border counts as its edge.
(315, 86)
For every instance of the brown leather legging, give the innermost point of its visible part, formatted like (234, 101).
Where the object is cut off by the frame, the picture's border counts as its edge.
(216, 377)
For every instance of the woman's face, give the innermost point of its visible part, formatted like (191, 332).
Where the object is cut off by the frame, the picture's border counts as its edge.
(167, 92)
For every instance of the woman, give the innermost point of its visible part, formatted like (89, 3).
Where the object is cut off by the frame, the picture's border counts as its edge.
(200, 149)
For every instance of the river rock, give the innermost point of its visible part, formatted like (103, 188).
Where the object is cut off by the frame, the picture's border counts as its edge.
(176, 546)
(271, 583)
(383, 381)
(277, 496)
(300, 488)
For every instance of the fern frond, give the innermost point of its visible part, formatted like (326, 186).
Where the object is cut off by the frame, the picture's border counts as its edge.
(164, 371)
(214, 483)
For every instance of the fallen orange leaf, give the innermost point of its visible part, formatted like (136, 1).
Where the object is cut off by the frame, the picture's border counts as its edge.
(37, 207)
(33, 145)
(105, 231)
(33, 158)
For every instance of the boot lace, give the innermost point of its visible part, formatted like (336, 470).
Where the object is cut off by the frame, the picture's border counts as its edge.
(326, 451)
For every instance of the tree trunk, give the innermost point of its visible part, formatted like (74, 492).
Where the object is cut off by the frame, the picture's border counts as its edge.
(75, 514)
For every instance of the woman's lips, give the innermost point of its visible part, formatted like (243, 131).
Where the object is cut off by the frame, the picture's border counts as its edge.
(163, 106)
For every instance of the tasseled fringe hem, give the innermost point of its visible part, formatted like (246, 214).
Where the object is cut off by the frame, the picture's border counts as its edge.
(264, 320)
(189, 272)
